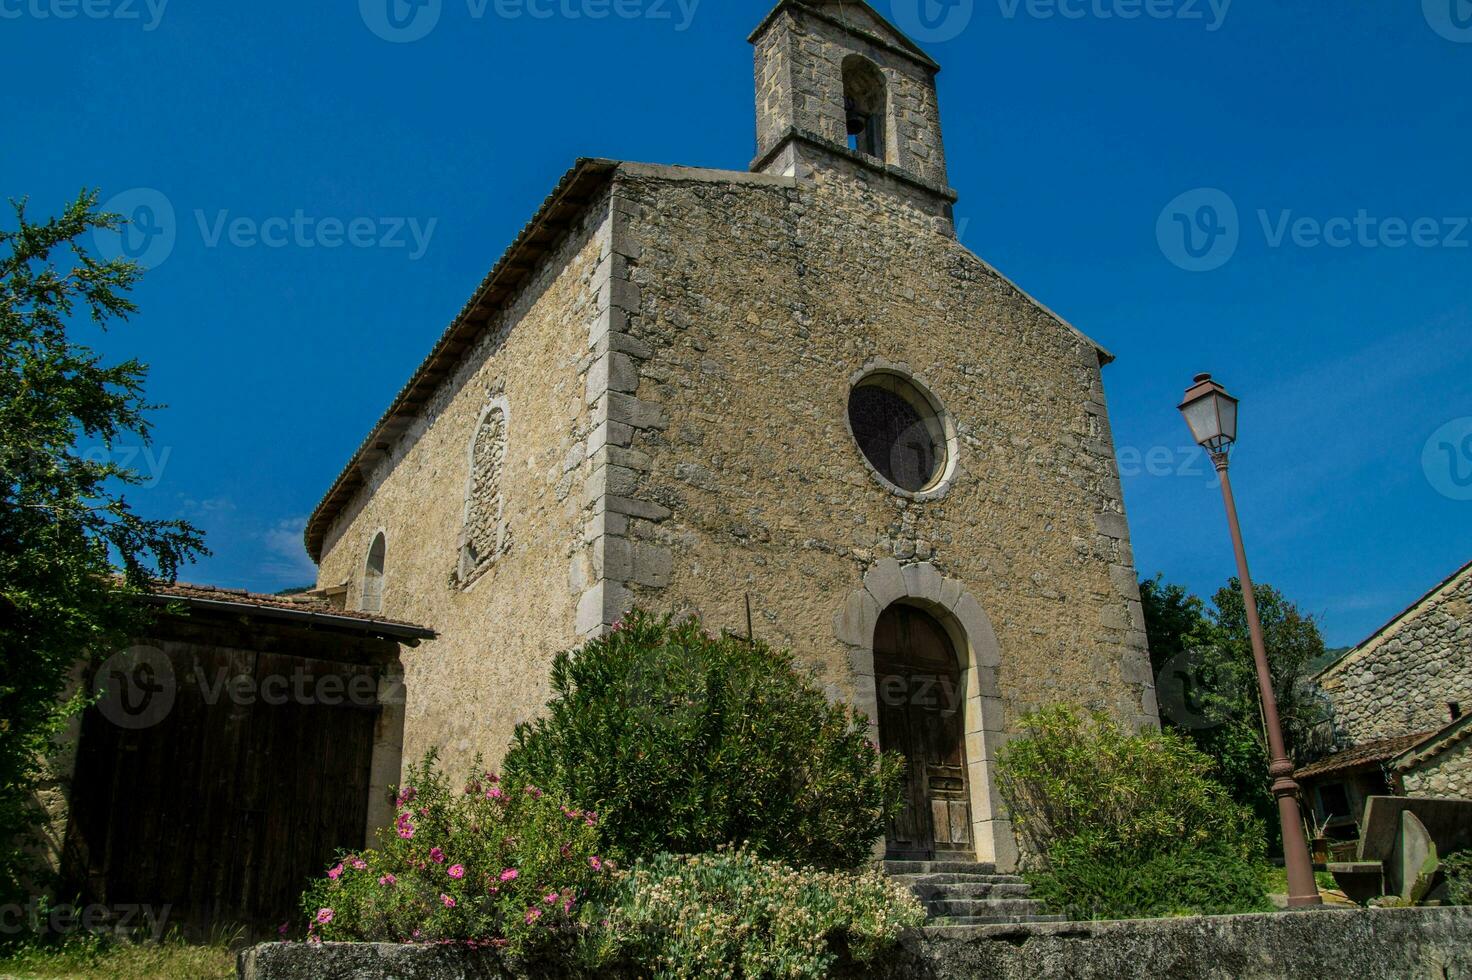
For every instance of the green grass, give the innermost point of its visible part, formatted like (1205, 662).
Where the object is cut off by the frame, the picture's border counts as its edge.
(1278, 880)
(88, 958)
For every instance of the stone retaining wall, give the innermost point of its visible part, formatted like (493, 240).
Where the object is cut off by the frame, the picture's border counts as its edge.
(1368, 944)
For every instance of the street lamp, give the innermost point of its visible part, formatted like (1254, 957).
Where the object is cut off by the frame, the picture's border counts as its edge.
(1212, 415)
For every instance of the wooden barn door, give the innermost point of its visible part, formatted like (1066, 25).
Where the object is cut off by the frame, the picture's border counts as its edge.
(921, 716)
(222, 809)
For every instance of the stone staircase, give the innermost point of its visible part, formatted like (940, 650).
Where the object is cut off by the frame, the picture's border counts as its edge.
(967, 893)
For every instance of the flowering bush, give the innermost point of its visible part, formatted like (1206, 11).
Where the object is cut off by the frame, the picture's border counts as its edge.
(732, 914)
(686, 742)
(511, 868)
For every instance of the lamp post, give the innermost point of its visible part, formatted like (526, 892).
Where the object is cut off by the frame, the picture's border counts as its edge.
(1212, 415)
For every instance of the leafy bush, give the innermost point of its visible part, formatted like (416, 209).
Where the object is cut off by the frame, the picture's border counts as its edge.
(1123, 826)
(685, 743)
(1069, 775)
(1458, 870)
(731, 914)
(1087, 879)
(514, 869)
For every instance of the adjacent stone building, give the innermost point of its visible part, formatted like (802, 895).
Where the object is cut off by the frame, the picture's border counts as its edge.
(793, 387)
(1402, 709)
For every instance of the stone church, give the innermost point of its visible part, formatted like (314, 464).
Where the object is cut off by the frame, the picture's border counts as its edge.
(790, 391)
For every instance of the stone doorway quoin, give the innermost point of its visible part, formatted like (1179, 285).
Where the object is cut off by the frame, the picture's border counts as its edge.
(921, 586)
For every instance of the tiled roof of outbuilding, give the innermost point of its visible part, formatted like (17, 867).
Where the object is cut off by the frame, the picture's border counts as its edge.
(305, 608)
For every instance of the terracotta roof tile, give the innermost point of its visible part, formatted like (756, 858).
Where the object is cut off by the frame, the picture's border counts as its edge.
(1379, 750)
(305, 606)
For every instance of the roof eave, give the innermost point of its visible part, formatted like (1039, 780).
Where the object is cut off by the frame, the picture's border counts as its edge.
(558, 212)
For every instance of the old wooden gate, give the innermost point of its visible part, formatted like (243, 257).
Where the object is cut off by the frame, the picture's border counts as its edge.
(221, 809)
(921, 716)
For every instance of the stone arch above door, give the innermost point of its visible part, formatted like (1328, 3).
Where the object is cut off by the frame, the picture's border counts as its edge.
(888, 583)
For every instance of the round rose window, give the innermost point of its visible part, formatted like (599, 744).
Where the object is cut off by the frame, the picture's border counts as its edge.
(900, 431)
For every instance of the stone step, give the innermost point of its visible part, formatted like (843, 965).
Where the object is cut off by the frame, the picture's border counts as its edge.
(967, 928)
(938, 867)
(971, 889)
(987, 908)
(928, 880)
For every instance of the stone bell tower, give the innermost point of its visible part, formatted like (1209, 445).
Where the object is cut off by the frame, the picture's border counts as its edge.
(838, 86)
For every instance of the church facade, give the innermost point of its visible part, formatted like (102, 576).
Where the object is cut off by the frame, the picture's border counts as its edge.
(787, 397)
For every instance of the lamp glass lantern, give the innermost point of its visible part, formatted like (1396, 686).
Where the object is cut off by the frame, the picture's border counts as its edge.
(1211, 413)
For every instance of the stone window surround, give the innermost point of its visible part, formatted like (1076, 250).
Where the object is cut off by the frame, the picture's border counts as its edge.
(468, 577)
(887, 584)
(940, 423)
(380, 534)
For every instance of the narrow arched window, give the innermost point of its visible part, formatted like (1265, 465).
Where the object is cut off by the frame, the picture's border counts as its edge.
(485, 536)
(865, 106)
(373, 576)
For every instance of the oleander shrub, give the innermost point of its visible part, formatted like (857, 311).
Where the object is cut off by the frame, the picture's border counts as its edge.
(685, 743)
(512, 868)
(1070, 774)
(732, 914)
(1091, 879)
(1458, 870)
(1120, 825)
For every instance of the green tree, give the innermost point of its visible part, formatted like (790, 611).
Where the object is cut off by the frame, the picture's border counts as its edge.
(72, 552)
(1207, 682)
(683, 742)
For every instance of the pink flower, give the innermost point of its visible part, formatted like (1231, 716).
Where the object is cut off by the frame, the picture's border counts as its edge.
(283, 929)
(449, 902)
(405, 826)
(457, 871)
(324, 916)
(550, 898)
(596, 862)
(495, 794)
(387, 880)
(534, 793)
(336, 872)
(358, 864)
(406, 796)
(510, 874)
(436, 855)
(533, 915)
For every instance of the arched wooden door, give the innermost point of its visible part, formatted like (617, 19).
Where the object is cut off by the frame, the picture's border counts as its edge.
(921, 715)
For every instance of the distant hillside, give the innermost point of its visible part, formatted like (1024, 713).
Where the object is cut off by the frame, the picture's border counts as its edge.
(1329, 659)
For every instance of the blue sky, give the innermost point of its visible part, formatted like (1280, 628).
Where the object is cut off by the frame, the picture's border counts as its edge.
(1086, 137)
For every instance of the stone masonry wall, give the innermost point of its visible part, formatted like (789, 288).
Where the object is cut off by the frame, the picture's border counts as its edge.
(1400, 682)
(1446, 774)
(758, 299)
(500, 627)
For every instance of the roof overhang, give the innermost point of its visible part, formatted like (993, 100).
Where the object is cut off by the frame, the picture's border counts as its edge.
(573, 193)
(406, 633)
